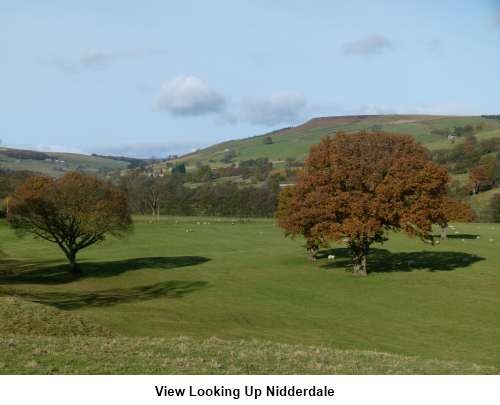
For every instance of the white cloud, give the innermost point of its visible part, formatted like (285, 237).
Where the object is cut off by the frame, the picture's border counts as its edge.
(438, 109)
(147, 149)
(189, 95)
(369, 45)
(95, 59)
(47, 148)
(424, 109)
(371, 109)
(278, 108)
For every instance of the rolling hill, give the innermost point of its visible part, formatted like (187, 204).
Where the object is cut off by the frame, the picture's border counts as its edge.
(56, 163)
(294, 142)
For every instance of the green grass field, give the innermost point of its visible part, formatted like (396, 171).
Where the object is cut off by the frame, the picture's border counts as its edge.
(439, 305)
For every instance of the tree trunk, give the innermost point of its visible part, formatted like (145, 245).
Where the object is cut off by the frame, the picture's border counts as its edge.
(312, 252)
(359, 249)
(359, 265)
(444, 232)
(73, 266)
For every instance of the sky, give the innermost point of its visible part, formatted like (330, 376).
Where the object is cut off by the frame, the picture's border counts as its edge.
(152, 78)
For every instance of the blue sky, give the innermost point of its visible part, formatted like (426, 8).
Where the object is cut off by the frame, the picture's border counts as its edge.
(146, 78)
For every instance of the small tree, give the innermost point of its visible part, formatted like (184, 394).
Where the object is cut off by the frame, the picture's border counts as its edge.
(229, 155)
(267, 140)
(479, 179)
(179, 168)
(357, 187)
(75, 211)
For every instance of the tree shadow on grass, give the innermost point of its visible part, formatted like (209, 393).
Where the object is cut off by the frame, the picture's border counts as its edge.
(383, 261)
(458, 236)
(12, 272)
(71, 300)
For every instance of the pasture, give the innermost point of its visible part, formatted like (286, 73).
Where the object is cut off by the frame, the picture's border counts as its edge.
(55, 167)
(207, 278)
(296, 141)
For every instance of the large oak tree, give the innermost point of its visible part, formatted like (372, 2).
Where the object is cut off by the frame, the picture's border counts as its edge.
(74, 211)
(357, 187)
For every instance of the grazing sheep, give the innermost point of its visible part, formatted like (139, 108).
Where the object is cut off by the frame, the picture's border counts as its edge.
(478, 237)
(331, 257)
(463, 240)
(437, 242)
(491, 240)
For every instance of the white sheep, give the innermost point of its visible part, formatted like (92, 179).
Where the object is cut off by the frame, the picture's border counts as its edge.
(331, 257)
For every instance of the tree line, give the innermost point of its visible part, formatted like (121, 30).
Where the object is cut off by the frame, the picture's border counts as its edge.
(170, 195)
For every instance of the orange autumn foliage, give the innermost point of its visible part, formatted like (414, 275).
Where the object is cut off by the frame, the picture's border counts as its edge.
(455, 210)
(360, 186)
(74, 211)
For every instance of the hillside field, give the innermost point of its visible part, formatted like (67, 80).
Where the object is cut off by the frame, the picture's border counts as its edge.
(227, 285)
(295, 142)
(61, 163)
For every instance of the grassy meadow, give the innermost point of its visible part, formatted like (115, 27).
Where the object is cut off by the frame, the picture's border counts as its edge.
(184, 284)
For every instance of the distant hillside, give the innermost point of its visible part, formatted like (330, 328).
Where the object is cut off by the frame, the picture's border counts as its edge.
(295, 142)
(56, 163)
